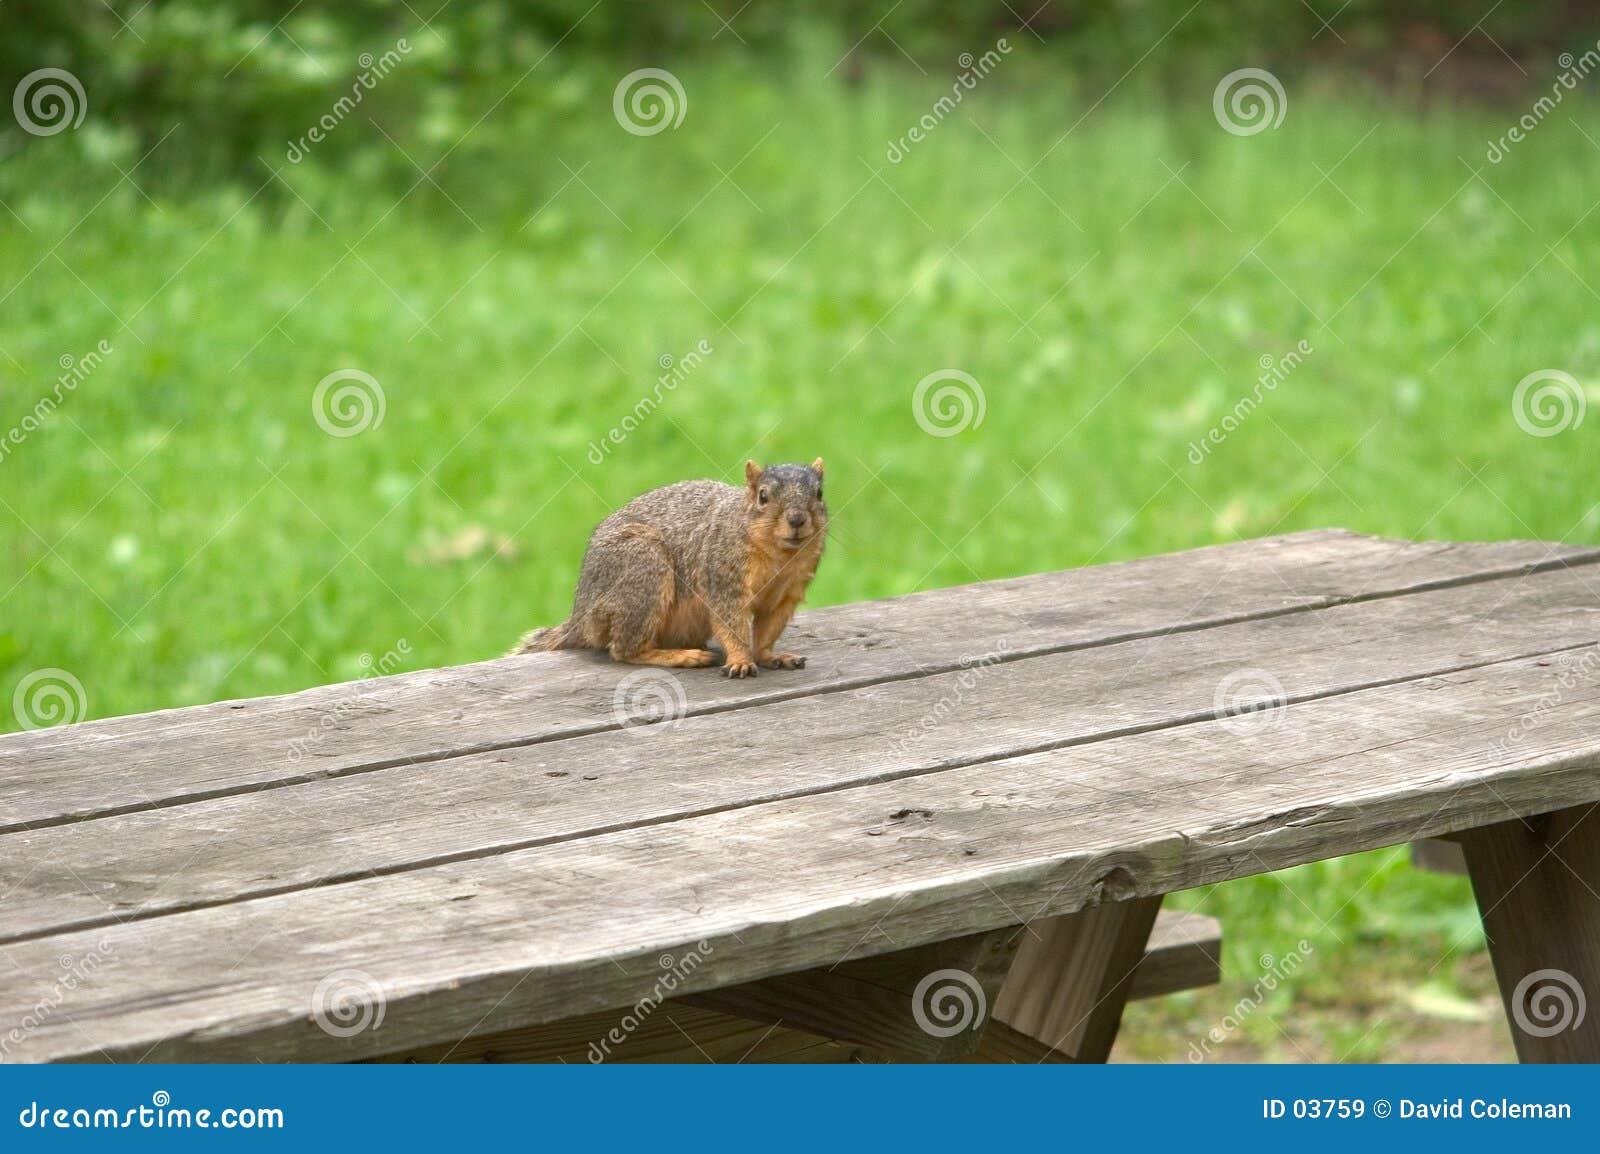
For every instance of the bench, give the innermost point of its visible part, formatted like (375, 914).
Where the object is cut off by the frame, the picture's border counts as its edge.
(947, 838)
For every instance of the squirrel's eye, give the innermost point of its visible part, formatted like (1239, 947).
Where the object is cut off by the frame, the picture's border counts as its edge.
(819, 492)
(762, 496)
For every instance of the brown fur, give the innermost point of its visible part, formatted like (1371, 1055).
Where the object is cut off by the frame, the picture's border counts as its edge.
(699, 560)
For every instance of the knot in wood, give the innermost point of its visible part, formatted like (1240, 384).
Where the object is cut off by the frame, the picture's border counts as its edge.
(1117, 884)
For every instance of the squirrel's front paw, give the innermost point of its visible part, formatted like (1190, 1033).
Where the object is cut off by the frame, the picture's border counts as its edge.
(736, 668)
(783, 661)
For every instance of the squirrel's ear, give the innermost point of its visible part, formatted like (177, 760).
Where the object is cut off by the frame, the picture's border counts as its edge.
(752, 474)
(816, 466)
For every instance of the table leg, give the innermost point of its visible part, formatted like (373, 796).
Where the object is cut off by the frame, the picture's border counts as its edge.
(1537, 881)
(1072, 975)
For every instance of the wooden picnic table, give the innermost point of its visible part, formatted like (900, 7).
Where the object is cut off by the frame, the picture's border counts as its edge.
(497, 861)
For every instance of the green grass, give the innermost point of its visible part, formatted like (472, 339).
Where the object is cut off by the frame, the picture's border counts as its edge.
(181, 530)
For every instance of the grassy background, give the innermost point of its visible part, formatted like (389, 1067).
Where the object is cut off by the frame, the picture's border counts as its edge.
(182, 530)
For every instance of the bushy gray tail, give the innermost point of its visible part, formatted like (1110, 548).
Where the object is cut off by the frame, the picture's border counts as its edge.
(542, 640)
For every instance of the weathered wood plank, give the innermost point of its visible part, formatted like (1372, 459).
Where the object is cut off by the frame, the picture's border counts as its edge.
(142, 864)
(1439, 855)
(575, 927)
(1184, 953)
(1073, 974)
(131, 763)
(1537, 882)
(694, 1029)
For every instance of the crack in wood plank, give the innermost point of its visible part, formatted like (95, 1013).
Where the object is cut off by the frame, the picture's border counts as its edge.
(15, 748)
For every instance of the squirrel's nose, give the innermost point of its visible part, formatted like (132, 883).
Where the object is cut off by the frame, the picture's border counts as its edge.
(797, 518)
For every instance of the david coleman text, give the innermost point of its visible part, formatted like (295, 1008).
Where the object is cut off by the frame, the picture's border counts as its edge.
(1479, 1108)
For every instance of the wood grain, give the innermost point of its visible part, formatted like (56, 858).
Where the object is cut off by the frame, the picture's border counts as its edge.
(130, 866)
(1538, 887)
(1073, 974)
(152, 760)
(694, 1030)
(575, 927)
(1184, 953)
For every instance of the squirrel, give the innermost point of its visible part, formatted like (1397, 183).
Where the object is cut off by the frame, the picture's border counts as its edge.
(699, 560)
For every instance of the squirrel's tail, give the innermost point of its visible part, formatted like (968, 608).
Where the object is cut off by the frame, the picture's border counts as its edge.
(552, 637)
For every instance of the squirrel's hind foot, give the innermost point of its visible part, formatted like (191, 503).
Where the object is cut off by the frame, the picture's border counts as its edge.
(783, 661)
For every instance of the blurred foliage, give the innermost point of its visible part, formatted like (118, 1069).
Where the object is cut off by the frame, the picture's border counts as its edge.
(248, 76)
(184, 531)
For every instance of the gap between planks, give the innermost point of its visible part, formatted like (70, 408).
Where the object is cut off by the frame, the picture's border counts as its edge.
(1544, 618)
(499, 849)
(484, 981)
(1577, 559)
